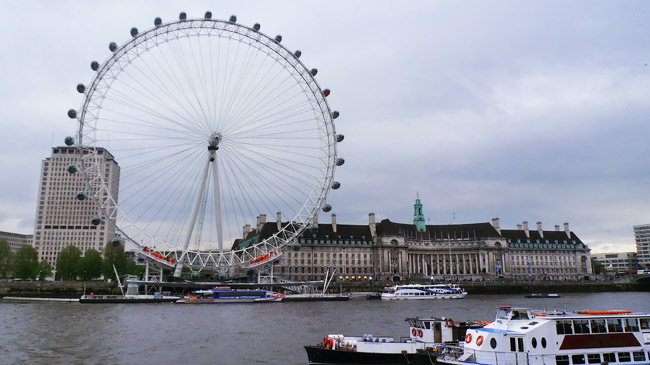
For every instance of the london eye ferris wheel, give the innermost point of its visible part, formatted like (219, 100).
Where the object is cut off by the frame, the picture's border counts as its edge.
(212, 123)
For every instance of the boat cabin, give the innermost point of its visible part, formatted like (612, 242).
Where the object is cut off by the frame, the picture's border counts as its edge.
(524, 336)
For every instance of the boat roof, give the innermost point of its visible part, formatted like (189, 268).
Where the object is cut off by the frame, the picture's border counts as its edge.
(578, 314)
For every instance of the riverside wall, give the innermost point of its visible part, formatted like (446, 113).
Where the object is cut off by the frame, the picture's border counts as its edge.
(55, 289)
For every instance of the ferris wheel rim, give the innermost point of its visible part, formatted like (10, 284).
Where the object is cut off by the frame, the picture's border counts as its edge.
(289, 230)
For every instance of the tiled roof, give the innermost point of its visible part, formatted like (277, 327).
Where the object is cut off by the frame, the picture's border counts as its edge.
(324, 231)
(519, 234)
(437, 232)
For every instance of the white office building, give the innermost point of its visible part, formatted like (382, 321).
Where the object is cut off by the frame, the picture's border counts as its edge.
(62, 219)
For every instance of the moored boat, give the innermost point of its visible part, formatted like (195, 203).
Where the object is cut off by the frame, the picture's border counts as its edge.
(442, 334)
(524, 336)
(423, 291)
(225, 294)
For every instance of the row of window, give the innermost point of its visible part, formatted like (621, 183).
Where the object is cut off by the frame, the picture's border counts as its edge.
(604, 359)
(609, 325)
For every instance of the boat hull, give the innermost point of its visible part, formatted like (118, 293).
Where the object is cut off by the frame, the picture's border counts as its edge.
(323, 355)
(118, 299)
(315, 298)
(427, 297)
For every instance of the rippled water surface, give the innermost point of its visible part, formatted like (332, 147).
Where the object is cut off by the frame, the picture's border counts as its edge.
(268, 333)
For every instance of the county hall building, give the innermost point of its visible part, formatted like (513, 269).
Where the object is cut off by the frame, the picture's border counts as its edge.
(389, 251)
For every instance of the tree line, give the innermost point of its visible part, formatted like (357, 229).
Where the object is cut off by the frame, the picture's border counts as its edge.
(70, 264)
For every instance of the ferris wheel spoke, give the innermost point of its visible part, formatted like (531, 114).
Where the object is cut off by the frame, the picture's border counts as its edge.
(267, 102)
(170, 195)
(246, 87)
(264, 94)
(287, 115)
(235, 100)
(265, 161)
(274, 191)
(185, 67)
(154, 110)
(141, 183)
(184, 100)
(172, 102)
(272, 171)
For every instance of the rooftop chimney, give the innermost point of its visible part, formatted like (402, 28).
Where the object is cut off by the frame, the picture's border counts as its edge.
(246, 231)
(315, 220)
(540, 230)
(260, 221)
(566, 230)
(279, 220)
(334, 222)
(525, 223)
(495, 224)
(557, 228)
(519, 227)
(372, 225)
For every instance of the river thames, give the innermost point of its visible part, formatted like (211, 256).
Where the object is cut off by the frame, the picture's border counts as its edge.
(269, 333)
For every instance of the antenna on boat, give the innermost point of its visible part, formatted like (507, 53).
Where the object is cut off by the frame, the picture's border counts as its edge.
(119, 284)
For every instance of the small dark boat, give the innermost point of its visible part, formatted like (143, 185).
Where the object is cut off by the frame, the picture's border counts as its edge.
(542, 295)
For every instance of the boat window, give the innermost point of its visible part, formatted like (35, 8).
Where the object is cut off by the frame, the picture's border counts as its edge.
(624, 357)
(578, 359)
(427, 325)
(502, 313)
(564, 327)
(598, 326)
(513, 344)
(520, 342)
(519, 315)
(593, 358)
(645, 323)
(493, 343)
(533, 342)
(544, 342)
(631, 324)
(609, 357)
(639, 356)
(614, 325)
(581, 325)
(562, 359)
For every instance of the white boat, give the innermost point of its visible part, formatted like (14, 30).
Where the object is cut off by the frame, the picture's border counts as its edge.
(442, 334)
(421, 291)
(526, 337)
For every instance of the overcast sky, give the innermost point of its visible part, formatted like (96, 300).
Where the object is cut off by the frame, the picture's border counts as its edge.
(533, 111)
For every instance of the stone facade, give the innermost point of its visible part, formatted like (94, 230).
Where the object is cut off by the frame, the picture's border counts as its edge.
(388, 251)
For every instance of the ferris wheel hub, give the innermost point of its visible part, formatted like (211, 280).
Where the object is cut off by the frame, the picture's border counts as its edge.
(213, 142)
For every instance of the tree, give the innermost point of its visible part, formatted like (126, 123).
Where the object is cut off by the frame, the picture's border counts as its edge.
(90, 265)
(45, 270)
(134, 269)
(26, 262)
(66, 263)
(114, 255)
(6, 258)
(597, 266)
